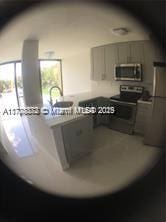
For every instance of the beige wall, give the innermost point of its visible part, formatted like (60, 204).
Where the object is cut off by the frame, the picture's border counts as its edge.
(76, 73)
(113, 87)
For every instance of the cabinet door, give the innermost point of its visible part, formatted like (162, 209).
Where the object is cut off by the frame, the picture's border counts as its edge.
(123, 52)
(98, 63)
(111, 58)
(143, 113)
(77, 137)
(137, 52)
(91, 103)
(104, 118)
(149, 57)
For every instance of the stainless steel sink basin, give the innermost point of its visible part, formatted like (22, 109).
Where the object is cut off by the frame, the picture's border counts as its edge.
(63, 104)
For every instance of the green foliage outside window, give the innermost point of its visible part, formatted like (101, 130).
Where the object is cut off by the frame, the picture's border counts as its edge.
(50, 77)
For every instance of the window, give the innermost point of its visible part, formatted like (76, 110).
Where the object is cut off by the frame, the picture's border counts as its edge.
(11, 86)
(11, 83)
(19, 83)
(7, 85)
(50, 76)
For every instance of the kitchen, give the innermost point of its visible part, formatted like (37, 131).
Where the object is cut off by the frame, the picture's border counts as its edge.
(82, 150)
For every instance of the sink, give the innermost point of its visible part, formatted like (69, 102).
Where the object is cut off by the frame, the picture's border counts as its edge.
(63, 104)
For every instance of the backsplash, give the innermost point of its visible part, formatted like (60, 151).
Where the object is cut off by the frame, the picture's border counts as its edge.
(112, 87)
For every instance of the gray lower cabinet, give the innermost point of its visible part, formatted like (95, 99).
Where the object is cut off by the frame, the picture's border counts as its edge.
(103, 119)
(100, 103)
(77, 138)
(143, 113)
(91, 103)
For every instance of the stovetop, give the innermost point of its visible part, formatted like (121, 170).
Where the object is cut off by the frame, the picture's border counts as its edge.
(125, 98)
(129, 94)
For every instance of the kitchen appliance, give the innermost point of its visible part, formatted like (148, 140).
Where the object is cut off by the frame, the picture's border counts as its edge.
(155, 131)
(128, 72)
(125, 108)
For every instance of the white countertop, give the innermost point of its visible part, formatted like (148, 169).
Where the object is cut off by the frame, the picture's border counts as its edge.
(57, 120)
(85, 96)
(53, 120)
(148, 102)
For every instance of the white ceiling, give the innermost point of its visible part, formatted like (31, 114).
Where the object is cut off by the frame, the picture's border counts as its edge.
(67, 29)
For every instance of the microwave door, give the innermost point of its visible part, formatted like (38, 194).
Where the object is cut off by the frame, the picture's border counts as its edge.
(128, 72)
(125, 72)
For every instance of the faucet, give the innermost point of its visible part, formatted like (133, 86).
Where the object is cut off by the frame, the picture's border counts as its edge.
(60, 91)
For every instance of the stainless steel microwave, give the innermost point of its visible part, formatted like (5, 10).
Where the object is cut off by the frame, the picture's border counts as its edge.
(128, 72)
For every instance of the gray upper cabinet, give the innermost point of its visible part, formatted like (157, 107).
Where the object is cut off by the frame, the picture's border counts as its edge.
(136, 52)
(123, 52)
(98, 63)
(130, 52)
(111, 58)
(105, 57)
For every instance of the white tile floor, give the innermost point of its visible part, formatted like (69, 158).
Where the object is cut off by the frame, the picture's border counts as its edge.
(117, 160)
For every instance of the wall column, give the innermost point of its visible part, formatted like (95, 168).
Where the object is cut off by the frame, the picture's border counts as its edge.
(31, 73)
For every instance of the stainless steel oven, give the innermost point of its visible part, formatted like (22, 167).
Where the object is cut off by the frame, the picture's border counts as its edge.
(124, 118)
(125, 108)
(128, 72)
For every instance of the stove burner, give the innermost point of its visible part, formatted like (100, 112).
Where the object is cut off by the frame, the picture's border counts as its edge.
(129, 94)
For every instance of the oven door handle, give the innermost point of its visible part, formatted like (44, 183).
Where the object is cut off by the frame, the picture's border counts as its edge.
(121, 102)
